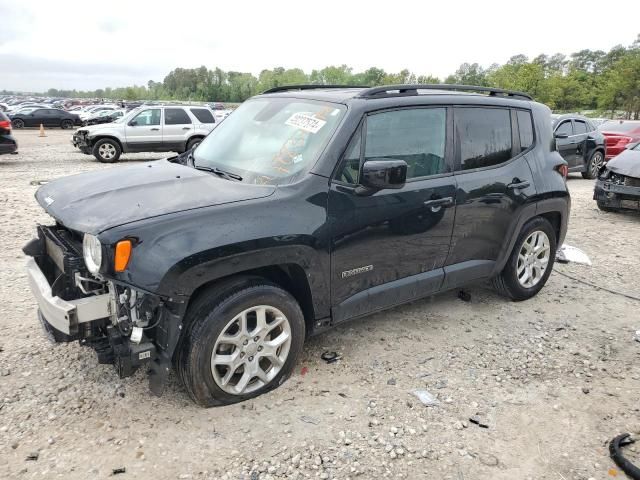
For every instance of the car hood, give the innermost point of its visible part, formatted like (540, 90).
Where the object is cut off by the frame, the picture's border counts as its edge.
(94, 202)
(627, 164)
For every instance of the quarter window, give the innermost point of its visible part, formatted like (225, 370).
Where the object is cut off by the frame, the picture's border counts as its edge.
(203, 115)
(525, 129)
(416, 136)
(349, 171)
(483, 136)
(175, 116)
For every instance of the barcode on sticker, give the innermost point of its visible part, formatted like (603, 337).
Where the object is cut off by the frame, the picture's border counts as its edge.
(305, 122)
(146, 354)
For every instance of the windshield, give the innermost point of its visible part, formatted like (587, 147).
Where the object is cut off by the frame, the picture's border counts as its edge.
(619, 126)
(270, 140)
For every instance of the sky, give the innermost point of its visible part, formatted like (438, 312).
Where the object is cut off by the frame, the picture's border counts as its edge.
(94, 44)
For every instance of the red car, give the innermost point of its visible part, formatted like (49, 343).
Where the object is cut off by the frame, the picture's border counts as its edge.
(619, 133)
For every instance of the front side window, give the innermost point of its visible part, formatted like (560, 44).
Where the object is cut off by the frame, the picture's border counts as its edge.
(416, 136)
(270, 140)
(349, 171)
(579, 127)
(525, 129)
(565, 128)
(175, 116)
(147, 118)
(483, 136)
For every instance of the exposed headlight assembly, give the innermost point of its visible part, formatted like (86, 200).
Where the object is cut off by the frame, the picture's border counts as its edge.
(92, 252)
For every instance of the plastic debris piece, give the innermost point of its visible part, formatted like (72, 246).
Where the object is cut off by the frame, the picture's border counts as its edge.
(567, 254)
(615, 452)
(426, 398)
(330, 357)
(464, 296)
(308, 419)
(478, 421)
(117, 471)
(33, 456)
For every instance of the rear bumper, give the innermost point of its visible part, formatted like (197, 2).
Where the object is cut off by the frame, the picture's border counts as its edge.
(8, 144)
(65, 316)
(615, 196)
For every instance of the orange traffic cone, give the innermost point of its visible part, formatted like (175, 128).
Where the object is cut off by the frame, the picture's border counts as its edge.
(42, 131)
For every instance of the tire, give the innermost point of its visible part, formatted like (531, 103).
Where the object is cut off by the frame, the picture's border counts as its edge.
(214, 313)
(107, 150)
(17, 123)
(66, 124)
(508, 282)
(193, 143)
(604, 208)
(593, 167)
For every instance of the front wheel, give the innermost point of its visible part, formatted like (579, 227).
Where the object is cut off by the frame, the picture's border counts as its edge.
(593, 167)
(193, 143)
(530, 263)
(240, 343)
(107, 150)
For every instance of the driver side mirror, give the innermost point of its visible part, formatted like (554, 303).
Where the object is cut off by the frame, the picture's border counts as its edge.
(133, 123)
(383, 174)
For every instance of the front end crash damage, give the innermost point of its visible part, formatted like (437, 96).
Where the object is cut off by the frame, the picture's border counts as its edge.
(127, 327)
(618, 183)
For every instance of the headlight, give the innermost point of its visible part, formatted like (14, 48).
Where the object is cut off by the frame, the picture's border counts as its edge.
(92, 252)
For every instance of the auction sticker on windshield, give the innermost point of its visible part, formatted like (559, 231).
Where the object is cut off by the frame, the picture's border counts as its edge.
(305, 122)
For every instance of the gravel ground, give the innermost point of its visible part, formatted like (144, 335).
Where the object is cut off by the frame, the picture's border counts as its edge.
(552, 379)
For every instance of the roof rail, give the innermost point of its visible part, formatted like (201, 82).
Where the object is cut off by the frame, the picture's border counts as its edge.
(285, 88)
(408, 90)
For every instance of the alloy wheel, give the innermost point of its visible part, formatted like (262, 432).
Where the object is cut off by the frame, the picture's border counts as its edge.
(107, 151)
(251, 350)
(533, 259)
(596, 164)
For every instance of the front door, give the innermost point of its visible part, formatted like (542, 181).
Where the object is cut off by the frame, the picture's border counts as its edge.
(144, 131)
(389, 247)
(566, 146)
(495, 184)
(177, 129)
(580, 134)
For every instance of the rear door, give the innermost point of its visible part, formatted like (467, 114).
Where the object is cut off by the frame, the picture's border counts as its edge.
(177, 129)
(580, 135)
(566, 146)
(144, 131)
(494, 183)
(389, 247)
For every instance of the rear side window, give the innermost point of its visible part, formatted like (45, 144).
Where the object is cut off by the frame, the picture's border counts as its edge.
(483, 136)
(525, 129)
(175, 116)
(416, 136)
(579, 127)
(203, 115)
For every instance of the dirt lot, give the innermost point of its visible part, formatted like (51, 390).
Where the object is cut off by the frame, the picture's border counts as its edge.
(553, 378)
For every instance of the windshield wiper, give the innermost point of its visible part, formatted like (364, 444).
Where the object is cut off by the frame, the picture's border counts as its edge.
(220, 173)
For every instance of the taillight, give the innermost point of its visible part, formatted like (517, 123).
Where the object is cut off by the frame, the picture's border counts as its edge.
(563, 170)
(6, 124)
(622, 141)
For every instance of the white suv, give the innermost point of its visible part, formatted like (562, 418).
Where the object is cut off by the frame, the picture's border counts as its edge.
(150, 128)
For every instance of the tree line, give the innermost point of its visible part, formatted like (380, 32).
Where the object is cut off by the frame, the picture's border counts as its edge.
(608, 82)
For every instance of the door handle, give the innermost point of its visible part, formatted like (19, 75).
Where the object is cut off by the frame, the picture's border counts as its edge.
(437, 203)
(517, 184)
(155, 129)
(186, 128)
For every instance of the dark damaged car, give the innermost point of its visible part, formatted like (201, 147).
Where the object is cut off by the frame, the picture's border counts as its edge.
(618, 185)
(307, 207)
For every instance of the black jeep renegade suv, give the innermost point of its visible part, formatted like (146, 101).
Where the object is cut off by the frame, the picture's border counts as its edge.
(308, 206)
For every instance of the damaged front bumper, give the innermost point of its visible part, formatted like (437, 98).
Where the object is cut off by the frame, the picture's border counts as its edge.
(80, 139)
(125, 326)
(617, 195)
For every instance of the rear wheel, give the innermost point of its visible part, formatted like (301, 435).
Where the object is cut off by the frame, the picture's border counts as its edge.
(107, 150)
(240, 342)
(17, 123)
(593, 167)
(530, 262)
(65, 124)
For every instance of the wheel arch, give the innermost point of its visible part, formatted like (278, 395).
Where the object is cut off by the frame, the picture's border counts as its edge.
(290, 277)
